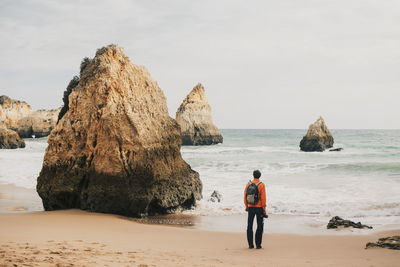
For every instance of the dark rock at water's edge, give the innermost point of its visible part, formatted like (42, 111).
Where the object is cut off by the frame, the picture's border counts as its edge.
(392, 242)
(215, 196)
(115, 149)
(194, 118)
(197, 140)
(318, 137)
(336, 222)
(10, 139)
(336, 149)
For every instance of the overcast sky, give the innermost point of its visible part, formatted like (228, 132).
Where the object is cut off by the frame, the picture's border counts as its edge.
(264, 64)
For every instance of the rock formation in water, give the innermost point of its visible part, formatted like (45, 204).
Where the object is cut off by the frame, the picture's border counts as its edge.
(19, 116)
(337, 222)
(318, 137)
(194, 118)
(215, 196)
(392, 242)
(116, 150)
(9, 139)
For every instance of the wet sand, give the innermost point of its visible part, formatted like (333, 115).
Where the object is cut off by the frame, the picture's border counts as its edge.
(14, 199)
(18, 199)
(78, 238)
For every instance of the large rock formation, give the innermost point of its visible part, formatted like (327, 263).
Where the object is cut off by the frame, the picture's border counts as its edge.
(194, 117)
(19, 116)
(116, 150)
(318, 137)
(9, 138)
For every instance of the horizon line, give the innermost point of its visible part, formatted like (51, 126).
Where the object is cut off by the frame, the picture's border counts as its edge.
(389, 129)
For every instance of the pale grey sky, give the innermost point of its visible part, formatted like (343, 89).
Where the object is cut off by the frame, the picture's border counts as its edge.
(264, 64)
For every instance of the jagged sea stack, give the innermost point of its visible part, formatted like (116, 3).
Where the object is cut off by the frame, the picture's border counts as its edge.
(194, 117)
(115, 149)
(318, 137)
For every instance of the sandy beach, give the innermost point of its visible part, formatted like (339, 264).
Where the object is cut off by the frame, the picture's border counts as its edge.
(148, 133)
(78, 238)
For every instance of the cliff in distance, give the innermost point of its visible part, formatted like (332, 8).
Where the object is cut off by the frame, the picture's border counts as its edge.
(19, 116)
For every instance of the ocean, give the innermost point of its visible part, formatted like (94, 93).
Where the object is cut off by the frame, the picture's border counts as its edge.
(361, 182)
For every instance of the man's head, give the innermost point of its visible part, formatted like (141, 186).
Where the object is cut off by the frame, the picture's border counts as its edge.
(256, 174)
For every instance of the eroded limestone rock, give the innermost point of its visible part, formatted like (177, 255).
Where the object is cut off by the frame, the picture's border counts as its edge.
(116, 150)
(39, 123)
(19, 116)
(11, 111)
(318, 137)
(9, 139)
(194, 118)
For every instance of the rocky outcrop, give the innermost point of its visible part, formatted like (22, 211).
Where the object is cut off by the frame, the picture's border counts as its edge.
(11, 111)
(392, 242)
(9, 139)
(116, 150)
(337, 222)
(19, 116)
(194, 118)
(39, 123)
(318, 137)
(215, 197)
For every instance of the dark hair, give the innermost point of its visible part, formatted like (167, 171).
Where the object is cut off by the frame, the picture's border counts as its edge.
(257, 174)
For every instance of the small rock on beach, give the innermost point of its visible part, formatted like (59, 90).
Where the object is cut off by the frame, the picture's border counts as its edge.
(337, 222)
(392, 242)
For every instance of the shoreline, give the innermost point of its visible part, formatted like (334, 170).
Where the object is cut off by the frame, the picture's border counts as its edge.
(82, 238)
(79, 238)
(20, 200)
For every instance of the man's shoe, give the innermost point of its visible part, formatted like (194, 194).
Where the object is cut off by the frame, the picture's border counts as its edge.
(259, 247)
(251, 246)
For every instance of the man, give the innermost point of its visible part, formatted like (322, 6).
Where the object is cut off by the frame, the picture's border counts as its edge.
(255, 201)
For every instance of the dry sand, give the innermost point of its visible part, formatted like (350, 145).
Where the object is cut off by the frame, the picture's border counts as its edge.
(78, 238)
